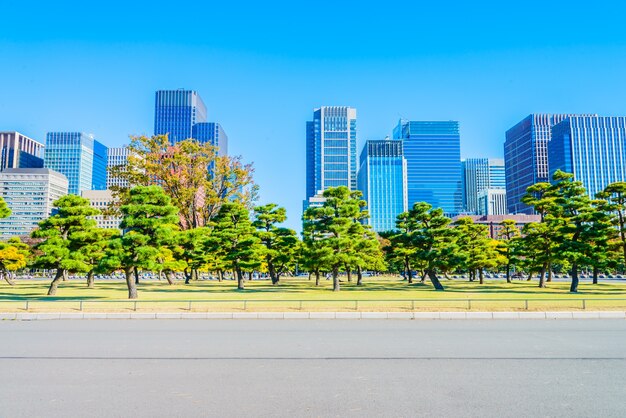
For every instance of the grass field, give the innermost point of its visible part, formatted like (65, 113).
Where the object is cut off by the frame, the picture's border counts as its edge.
(380, 294)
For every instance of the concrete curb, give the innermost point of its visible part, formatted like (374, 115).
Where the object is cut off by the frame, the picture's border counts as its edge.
(31, 316)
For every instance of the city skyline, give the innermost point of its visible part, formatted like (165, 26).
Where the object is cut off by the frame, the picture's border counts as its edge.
(261, 78)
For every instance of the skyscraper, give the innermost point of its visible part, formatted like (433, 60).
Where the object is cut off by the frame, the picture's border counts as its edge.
(480, 174)
(116, 157)
(29, 193)
(331, 149)
(526, 157)
(212, 133)
(382, 179)
(176, 112)
(433, 154)
(19, 151)
(72, 154)
(593, 148)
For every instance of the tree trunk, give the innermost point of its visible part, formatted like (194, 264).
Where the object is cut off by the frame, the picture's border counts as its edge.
(64, 275)
(168, 277)
(530, 275)
(136, 275)
(187, 276)
(317, 277)
(349, 272)
(445, 274)
(90, 279)
(409, 273)
(55, 282)
(481, 275)
(130, 283)
(423, 278)
(359, 276)
(240, 279)
(508, 272)
(250, 275)
(435, 281)
(595, 274)
(272, 270)
(542, 282)
(574, 286)
(220, 275)
(549, 272)
(7, 278)
(336, 286)
(159, 275)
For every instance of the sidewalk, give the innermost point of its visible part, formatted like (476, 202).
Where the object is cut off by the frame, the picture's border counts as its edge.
(26, 316)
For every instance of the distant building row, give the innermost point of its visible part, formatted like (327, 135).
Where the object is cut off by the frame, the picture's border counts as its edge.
(422, 163)
(32, 175)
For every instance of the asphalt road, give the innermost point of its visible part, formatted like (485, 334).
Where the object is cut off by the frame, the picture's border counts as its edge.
(332, 368)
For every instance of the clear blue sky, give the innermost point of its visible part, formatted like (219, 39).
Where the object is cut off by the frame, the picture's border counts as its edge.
(261, 68)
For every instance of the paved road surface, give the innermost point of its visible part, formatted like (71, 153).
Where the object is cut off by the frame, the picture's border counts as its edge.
(265, 368)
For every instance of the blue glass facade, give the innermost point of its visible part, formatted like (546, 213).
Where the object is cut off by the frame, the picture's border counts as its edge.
(593, 148)
(383, 182)
(72, 154)
(331, 149)
(176, 112)
(433, 154)
(99, 172)
(212, 133)
(526, 157)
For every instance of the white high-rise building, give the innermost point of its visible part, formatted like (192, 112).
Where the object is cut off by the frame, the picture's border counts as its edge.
(330, 150)
(102, 200)
(492, 202)
(29, 193)
(116, 157)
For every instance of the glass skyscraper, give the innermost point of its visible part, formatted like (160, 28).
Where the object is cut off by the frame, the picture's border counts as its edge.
(593, 148)
(526, 157)
(331, 150)
(176, 112)
(433, 154)
(382, 179)
(212, 133)
(480, 174)
(79, 157)
(19, 151)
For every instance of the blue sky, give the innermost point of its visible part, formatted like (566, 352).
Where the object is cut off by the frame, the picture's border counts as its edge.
(261, 68)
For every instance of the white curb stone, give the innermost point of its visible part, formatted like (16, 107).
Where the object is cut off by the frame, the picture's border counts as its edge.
(94, 315)
(271, 315)
(72, 315)
(26, 316)
(52, 315)
(195, 315)
(612, 314)
(532, 315)
(400, 315)
(169, 315)
(586, 315)
(142, 315)
(7, 315)
(506, 315)
(479, 315)
(245, 315)
(559, 315)
(426, 315)
(296, 315)
(374, 315)
(453, 315)
(118, 315)
(348, 315)
(322, 315)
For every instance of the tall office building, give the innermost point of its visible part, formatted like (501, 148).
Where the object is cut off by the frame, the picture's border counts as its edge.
(176, 112)
(79, 157)
(29, 193)
(212, 133)
(116, 157)
(526, 157)
(480, 174)
(433, 154)
(491, 202)
(102, 200)
(593, 148)
(382, 179)
(19, 151)
(330, 150)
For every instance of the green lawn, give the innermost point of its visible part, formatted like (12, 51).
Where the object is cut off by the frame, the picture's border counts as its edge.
(294, 294)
